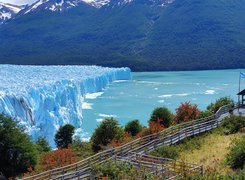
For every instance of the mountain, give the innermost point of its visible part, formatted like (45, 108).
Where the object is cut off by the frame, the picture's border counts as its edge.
(60, 5)
(141, 34)
(8, 11)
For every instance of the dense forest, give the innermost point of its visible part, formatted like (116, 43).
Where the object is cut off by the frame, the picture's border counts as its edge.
(184, 35)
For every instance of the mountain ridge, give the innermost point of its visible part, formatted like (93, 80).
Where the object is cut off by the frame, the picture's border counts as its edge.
(8, 11)
(141, 34)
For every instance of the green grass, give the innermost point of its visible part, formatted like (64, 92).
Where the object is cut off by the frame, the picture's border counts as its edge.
(209, 149)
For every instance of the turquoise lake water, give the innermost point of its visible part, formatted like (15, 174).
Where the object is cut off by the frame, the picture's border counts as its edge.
(136, 99)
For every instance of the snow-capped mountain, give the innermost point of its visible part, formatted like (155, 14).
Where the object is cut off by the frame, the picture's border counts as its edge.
(62, 5)
(97, 3)
(8, 11)
(142, 34)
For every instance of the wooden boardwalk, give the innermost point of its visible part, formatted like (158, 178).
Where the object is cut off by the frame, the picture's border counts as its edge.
(135, 152)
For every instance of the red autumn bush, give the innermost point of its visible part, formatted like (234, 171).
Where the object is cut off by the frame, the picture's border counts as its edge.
(125, 139)
(186, 112)
(154, 127)
(144, 132)
(57, 158)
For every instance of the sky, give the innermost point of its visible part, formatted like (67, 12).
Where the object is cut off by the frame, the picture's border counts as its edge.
(18, 2)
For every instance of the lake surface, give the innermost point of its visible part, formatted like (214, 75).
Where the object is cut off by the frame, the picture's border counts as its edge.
(136, 99)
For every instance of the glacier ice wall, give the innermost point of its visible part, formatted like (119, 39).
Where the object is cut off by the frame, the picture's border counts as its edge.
(42, 98)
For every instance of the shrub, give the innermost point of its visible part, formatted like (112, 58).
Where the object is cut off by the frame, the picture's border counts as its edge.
(145, 132)
(82, 149)
(105, 133)
(192, 143)
(126, 137)
(166, 152)
(113, 169)
(162, 113)
(214, 107)
(186, 112)
(133, 127)
(57, 158)
(119, 170)
(156, 126)
(63, 137)
(233, 124)
(236, 156)
(204, 114)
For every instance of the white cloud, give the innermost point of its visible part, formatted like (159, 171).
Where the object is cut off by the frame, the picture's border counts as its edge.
(18, 2)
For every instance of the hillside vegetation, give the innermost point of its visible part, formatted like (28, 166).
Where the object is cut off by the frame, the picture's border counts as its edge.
(221, 154)
(110, 134)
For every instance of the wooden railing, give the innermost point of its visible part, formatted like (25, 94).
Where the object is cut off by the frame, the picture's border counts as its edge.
(143, 145)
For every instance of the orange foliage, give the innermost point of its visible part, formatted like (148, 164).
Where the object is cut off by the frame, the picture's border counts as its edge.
(57, 158)
(145, 131)
(186, 112)
(154, 127)
(126, 138)
(30, 172)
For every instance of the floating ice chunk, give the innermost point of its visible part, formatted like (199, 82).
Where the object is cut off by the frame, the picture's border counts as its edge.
(86, 105)
(93, 95)
(99, 119)
(165, 96)
(210, 91)
(107, 115)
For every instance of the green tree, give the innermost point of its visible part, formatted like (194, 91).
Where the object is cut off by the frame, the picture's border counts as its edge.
(163, 114)
(17, 152)
(133, 127)
(63, 137)
(214, 107)
(204, 114)
(105, 133)
(42, 145)
(82, 149)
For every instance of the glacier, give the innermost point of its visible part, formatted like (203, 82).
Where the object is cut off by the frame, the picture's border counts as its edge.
(43, 98)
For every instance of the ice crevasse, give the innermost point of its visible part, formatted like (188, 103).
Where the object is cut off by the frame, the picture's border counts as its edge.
(43, 98)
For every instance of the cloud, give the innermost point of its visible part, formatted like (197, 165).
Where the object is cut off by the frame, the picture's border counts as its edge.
(19, 2)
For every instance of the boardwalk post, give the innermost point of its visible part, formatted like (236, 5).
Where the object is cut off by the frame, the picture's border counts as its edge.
(178, 133)
(201, 170)
(217, 122)
(171, 136)
(63, 173)
(162, 169)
